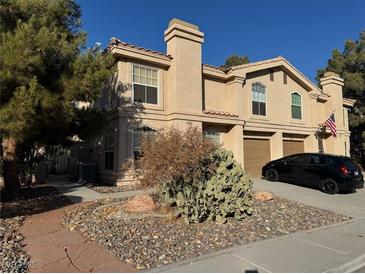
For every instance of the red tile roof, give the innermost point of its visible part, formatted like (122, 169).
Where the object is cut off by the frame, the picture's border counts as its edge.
(116, 42)
(222, 113)
(221, 68)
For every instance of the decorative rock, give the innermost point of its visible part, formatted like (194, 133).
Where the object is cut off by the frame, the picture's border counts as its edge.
(140, 266)
(140, 204)
(165, 208)
(142, 240)
(264, 196)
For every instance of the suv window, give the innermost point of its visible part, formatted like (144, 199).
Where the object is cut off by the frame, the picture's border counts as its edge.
(350, 164)
(295, 159)
(317, 160)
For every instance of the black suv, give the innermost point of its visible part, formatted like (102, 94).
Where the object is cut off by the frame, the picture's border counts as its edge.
(331, 173)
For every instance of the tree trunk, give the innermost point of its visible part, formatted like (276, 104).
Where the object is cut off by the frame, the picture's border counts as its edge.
(12, 184)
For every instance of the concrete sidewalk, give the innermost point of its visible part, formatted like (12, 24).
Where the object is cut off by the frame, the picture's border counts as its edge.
(329, 249)
(334, 248)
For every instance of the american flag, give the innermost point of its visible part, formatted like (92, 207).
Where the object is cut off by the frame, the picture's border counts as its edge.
(331, 124)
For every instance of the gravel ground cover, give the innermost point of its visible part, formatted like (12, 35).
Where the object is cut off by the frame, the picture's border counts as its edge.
(151, 240)
(13, 258)
(13, 211)
(106, 188)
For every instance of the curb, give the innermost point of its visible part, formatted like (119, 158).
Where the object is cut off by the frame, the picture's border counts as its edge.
(349, 267)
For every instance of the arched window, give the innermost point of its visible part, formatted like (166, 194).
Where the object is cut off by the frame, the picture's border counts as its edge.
(138, 135)
(296, 105)
(258, 99)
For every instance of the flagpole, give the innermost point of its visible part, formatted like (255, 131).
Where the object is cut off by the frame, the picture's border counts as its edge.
(322, 125)
(331, 113)
(328, 117)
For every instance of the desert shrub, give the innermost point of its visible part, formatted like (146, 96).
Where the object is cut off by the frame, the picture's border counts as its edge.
(173, 156)
(224, 192)
(200, 179)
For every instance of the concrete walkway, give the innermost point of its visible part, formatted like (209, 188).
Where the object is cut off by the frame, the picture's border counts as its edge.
(335, 248)
(79, 193)
(45, 240)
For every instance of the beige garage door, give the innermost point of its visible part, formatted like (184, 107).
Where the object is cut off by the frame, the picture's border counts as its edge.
(256, 155)
(292, 147)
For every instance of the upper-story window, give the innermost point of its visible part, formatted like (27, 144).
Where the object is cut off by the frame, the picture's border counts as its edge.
(145, 84)
(296, 106)
(258, 99)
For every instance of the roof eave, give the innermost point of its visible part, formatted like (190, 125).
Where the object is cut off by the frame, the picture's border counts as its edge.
(140, 55)
(278, 62)
(348, 102)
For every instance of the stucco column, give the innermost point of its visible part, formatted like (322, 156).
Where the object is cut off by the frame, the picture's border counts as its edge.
(233, 141)
(311, 144)
(276, 142)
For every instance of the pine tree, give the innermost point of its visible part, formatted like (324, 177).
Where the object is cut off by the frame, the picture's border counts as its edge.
(44, 72)
(350, 65)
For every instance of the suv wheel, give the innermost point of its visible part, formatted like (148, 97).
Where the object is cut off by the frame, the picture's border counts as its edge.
(329, 186)
(271, 175)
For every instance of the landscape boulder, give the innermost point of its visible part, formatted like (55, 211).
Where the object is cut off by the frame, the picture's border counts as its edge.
(140, 204)
(264, 196)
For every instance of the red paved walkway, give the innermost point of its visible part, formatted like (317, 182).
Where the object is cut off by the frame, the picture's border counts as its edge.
(45, 239)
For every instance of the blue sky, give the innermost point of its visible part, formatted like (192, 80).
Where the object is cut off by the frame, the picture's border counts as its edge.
(304, 32)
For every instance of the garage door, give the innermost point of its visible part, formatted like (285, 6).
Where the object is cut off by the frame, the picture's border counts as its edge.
(292, 147)
(256, 155)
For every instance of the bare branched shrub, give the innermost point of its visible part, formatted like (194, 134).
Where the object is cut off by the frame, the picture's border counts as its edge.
(173, 156)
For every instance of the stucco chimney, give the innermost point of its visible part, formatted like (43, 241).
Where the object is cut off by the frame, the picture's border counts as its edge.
(184, 77)
(332, 85)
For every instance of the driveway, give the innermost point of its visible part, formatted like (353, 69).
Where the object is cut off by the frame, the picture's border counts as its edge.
(350, 204)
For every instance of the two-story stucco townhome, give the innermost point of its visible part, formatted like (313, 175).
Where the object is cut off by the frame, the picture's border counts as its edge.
(260, 111)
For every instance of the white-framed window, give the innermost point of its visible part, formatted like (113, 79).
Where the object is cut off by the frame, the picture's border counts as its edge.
(145, 84)
(138, 135)
(109, 150)
(296, 105)
(258, 99)
(213, 134)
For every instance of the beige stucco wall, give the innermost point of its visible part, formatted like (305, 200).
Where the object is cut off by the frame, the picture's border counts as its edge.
(215, 95)
(278, 96)
(187, 88)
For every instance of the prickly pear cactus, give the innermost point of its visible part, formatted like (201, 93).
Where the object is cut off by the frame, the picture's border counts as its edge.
(226, 193)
